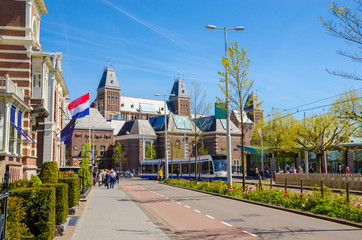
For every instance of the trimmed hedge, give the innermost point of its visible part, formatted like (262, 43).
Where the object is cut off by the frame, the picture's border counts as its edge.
(73, 190)
(49, 172)
(61, 201)
(21, 183)
(35, 180)
(40, 210)
(15, 225)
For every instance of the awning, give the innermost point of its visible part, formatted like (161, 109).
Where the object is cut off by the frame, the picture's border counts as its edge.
(256, 149)
(22, 132)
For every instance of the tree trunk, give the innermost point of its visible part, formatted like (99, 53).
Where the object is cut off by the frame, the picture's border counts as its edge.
(319, 163)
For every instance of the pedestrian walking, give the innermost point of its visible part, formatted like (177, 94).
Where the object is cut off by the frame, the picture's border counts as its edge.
(311, 170)
(300, 170)
(99, 177)
(347, 170)
(160, 175)
(340, 171)
(177, 172)
(113, 178)
(117, 176)
(108, 179)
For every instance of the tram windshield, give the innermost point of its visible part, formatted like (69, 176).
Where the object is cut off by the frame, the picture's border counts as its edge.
(220, 164)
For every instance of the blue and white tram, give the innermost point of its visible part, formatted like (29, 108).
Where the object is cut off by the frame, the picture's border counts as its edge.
(210, 167)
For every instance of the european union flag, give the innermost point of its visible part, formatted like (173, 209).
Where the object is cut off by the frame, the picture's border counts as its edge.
(67, 132)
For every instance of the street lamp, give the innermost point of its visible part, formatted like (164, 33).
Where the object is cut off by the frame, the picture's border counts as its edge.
(166, 152)
(228, 138)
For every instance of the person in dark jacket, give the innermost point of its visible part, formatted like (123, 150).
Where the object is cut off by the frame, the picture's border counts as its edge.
(108, 179)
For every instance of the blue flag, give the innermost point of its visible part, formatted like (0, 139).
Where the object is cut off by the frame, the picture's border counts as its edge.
(67, 132)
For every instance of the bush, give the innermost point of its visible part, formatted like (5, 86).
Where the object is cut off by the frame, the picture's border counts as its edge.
(61, 201)
(35, 181)
(22, 183)
(49, 172)
(15, 225)
(73, 190)
(40, 210)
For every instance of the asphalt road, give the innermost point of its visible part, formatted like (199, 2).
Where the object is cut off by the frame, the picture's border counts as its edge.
(265, 222)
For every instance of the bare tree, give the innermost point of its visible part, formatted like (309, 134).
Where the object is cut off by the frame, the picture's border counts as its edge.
(199, 107)
(347, 26)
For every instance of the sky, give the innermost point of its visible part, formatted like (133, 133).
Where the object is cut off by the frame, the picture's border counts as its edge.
(150, 42)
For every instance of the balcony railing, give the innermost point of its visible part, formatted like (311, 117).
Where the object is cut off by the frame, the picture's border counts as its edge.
(7, 86)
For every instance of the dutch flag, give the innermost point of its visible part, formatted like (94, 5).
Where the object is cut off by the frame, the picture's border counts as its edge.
(79, 107)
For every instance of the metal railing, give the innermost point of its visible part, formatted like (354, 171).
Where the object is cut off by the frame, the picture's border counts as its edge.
(4, 204)
(8, 86)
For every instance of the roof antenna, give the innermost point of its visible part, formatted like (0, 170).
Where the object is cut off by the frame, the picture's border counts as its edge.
(107, 61)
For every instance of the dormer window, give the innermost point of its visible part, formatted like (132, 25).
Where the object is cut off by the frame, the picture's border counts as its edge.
(132, 106)
(122, 105)
(111, 81)
(161, 109)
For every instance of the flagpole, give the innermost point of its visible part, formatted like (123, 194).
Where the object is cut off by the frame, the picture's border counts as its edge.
(89, 127)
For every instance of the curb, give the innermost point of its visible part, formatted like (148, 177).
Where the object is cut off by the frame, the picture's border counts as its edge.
(309, 214)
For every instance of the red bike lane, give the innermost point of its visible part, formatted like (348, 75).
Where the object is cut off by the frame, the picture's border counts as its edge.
(183, 220)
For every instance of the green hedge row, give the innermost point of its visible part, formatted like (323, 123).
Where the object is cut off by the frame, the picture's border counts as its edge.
(15, 225)
(61, 204)
(39, 206)
(73, 190)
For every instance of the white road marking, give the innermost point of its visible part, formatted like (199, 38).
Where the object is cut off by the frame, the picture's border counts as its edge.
(179, 203)
(227, 224)
(210, 217)
(197, 211)
(251, 234)
(187, 206)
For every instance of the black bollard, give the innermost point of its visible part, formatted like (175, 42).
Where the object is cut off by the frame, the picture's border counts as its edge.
(301, 185)
(260, 186)
(347, 191)
(322, 188)
(286, 184)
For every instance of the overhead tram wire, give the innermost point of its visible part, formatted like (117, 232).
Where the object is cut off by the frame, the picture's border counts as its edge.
(313, 108)
(320, 100)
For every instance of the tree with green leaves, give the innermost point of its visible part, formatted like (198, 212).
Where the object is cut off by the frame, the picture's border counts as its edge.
(150, 151)
(119, 154)
(199, 107)
(320, 133)
(276, 132)
(84, 171)
(236, 65)
(347, 25)
(348, 107)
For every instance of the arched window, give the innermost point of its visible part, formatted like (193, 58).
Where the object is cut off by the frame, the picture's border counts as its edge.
(109, 100)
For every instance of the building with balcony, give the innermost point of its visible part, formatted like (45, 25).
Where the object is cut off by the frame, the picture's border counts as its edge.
(31, 115)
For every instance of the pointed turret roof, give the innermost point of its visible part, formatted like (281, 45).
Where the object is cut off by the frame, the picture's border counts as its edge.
(179, 88)
(109, 79)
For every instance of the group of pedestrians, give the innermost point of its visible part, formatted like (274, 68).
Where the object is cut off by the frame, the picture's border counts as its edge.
(107, 178)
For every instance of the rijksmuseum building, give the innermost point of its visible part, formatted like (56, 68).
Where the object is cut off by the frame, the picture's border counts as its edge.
(138, 122)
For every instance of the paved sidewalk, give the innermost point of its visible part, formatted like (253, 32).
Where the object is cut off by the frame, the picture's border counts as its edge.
(111, 214)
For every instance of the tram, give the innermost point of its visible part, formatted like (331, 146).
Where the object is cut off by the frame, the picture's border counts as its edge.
(210, 167)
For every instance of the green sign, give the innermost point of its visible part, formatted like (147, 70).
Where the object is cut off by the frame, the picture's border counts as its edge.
(220, 111)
